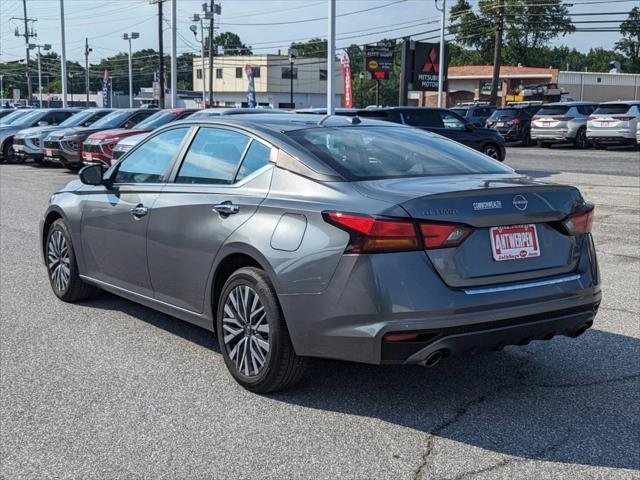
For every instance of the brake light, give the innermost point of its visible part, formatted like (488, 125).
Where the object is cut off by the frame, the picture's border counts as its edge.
(401, 337)
(580, 223)
(437, 235)
(536, 117)
(373, 235)
(592, 117)
(563, 118)
(515, 121)
(623, 118)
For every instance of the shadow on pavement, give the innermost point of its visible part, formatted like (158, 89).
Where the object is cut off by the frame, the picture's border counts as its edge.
(565, 400)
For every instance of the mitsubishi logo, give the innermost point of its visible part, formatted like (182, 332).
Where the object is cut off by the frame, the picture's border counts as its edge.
(432, 63)
(520, 202)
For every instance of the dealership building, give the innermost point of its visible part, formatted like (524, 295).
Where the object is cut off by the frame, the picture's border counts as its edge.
(272, 80)
(473, 82)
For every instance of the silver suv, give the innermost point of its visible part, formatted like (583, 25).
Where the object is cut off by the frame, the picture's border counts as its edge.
(562, 123)
(614, 123)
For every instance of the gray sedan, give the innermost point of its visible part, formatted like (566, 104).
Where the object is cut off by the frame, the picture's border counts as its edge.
(294, 236)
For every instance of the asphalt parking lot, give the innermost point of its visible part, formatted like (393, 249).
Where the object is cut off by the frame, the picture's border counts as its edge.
(109, 389)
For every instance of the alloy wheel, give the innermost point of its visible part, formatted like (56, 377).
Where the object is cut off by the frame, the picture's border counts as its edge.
(246, 330)
(58, 261)
(491, 151)
(581, 139)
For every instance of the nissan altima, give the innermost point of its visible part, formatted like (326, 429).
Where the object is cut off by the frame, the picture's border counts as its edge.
(294, 236)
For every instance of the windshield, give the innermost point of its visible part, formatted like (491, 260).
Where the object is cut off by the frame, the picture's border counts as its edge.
(157, 120)
(29, 119)
(113, 120)
(613, 108)
(460, 111)
(553, 110)
(77, 119)
(365, 153)
(8, 119)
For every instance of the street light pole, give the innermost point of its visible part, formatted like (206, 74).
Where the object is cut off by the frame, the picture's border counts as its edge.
(331, 55)
(64, 57)
(87, 51)
(194, 29)
(129, 37)
(174, 54)
(45, 47)
(293, 53)
(443, 13)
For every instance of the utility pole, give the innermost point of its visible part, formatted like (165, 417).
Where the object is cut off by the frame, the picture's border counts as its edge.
(174, 55)
(213, 10)
(443, 15)
(194, 29)
(331, 58)
(63, 63)
(87, 51)
(497, 54)
(161, 53)
(27, 34)
(293, 53)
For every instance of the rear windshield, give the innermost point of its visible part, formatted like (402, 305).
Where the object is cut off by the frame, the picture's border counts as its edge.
(613, 108)
(460, 111)
(506, 112)
(365, 153)
(559, 110)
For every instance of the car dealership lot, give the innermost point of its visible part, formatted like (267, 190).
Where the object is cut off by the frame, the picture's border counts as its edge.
(110, 389)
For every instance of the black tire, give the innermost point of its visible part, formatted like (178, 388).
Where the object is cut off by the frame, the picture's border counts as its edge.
(75, 288)
(581, 142)
(8, 154)
(526, 138)
(599, 146)
(544, 144)
(73, 167)
(281, 368)
(492, 150)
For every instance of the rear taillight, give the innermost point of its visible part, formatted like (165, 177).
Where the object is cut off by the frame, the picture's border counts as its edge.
(515, 121)
(623, 118)
(581, 222)
(591, 117)
(373, 235)
(563, 118)
(536, 117)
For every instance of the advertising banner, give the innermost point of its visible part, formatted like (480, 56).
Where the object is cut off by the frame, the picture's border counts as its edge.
(426, 67)
(251, 89)
(378, 61)
(106, 101)
(346, 75)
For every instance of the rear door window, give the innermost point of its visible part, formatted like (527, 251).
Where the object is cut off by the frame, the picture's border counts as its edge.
(213, 157)
(422, 118)
(257, 156)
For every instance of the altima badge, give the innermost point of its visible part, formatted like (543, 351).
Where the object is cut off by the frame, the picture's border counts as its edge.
(520, 202)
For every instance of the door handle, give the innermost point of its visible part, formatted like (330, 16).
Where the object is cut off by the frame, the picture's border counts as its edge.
(139, 211)
(226, 208)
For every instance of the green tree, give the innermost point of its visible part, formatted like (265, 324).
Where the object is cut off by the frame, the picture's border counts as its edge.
(315, 47)
(529, 25)
(230, 44)
(629, 46)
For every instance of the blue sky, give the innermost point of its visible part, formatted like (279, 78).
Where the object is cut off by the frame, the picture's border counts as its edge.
(103, 22)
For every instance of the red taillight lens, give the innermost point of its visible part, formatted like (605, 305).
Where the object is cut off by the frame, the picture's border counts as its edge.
(515, 121)
(401, 337)
(536, 117)
(580, 223)
(437, 235)
(623, 118)
(372, 235)
(563, 118)
(591, 117)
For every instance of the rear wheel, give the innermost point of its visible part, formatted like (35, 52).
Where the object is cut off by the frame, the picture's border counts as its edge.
(581, 141)
(61, 265)
(253, 335)
(526, 138)
(491, 150)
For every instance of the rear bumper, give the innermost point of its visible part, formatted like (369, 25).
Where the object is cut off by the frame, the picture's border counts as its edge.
(625, 136)
(371, 296)
(552, 134)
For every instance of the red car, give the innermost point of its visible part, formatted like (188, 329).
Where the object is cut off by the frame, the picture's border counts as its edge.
(97, 147)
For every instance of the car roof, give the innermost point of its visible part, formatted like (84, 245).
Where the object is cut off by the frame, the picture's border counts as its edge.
(616, 102)
(568, 104)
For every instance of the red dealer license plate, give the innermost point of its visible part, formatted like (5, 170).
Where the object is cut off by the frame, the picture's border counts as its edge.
(514, 242)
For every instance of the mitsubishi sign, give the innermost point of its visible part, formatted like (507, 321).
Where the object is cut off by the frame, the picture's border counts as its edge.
(426, 67)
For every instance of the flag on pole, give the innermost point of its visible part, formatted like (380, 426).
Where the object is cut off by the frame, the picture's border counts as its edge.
(106, 101)
(346, 75)
(251, 89)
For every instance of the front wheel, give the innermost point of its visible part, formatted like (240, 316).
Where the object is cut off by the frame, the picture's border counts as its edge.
(8, 154)
(61, 265)
(253, 336)
(491, 150)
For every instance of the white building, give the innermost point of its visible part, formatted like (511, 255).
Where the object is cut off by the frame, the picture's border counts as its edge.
(271, 78)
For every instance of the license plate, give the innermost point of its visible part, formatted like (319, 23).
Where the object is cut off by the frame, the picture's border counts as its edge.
(514, 242)
(48, 152)
(500, 124)
(605, 124)
(546, 124)
(87, 156)
(17, 148)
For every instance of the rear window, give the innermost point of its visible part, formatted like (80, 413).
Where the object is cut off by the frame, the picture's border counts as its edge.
(366, 153)
(613, 108)
(460, 111)
(506, 112)
(559, 110)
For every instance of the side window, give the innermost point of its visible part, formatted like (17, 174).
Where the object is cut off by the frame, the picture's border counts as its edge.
(257, 157)
(213, 157)
(422, 118)
(55, 118)
(451, 120)
(149, 163)
(138, 117)
(94, 118)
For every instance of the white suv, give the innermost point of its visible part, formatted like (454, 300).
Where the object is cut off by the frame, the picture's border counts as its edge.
(614, 123)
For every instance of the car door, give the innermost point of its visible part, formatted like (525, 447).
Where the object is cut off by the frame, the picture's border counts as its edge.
(224, 176)
(115, 218)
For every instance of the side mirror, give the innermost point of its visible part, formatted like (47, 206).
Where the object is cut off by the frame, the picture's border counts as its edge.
(92, 175)
(128, 125)
(43, 123)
